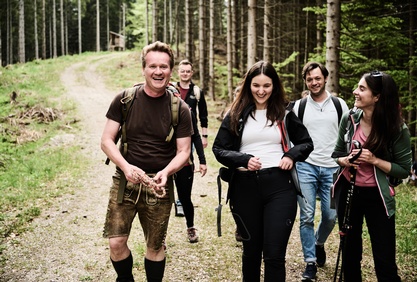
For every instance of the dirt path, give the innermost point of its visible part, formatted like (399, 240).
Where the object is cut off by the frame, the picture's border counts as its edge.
(66, 244)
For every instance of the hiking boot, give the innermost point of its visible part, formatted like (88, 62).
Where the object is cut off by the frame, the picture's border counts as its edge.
(320, 255)
(310, 272)
(179, 211)
(192, 235)
(238, 236)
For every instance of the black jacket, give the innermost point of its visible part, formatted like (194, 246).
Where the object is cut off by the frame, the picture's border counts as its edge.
(191, 100)
(227, 144)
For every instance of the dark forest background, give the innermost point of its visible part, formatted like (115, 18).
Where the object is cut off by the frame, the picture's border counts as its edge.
(223, 37)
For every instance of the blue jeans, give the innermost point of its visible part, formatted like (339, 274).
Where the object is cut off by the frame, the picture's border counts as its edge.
(315, 181)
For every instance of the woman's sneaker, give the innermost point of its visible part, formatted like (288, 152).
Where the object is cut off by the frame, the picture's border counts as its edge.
(192, 235)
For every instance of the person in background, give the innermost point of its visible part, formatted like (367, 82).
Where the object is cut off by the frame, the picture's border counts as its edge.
(321, 118)
(184, 182)
(147, 126)
(385, 139)
(194, 97)
(253, 142)
(196, 101)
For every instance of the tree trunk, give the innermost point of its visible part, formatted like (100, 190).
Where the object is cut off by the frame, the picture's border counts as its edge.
(252, 42)
(411, 118)
(188, 31)
(80, 49)
(98, 25)
(146, 22)
(107, 25)
(267, 30)
(333, 45)
(235, 34)
(35, 19)
(201, 44)
(62, 28)
(211, 52)
(229, 51)
(43, 30)
(319, 36)
(243, 30)
(55, 52)
(9, 34)
(171, 26)
(154, 20)
(22, 58)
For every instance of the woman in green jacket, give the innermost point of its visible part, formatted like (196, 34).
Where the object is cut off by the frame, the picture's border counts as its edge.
(377, 125)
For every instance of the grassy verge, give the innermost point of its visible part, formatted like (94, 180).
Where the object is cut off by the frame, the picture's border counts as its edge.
(33, 168)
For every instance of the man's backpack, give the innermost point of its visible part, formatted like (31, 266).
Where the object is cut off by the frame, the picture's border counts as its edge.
(127, 100)
(303, 103)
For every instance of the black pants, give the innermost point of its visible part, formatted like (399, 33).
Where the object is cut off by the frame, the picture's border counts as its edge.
(367, 203)
(184, 183)
(264, 206)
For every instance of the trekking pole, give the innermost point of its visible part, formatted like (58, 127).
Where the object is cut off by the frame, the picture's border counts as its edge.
(346, 217)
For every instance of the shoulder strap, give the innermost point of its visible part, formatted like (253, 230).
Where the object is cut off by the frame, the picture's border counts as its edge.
(127, 100)
(336, 103)
(301, 108)
(196, 91)
(338, 107)
(175, 110)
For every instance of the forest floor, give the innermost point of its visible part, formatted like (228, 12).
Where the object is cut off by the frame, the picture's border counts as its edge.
(65, 243)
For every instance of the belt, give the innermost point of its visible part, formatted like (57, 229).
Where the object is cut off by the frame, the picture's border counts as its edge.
(268, 170)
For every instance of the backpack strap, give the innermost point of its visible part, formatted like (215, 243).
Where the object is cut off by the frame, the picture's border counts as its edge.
(197, 92)
(175, 112)
(302, 108)
(335, 101)
(127, 100)
(338, 107)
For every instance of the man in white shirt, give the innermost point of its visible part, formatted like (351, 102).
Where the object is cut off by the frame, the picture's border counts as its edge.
(320, 113)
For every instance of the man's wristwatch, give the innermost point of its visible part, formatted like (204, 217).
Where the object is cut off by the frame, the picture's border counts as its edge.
(204, 135)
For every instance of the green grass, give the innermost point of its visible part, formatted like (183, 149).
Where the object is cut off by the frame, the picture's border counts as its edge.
(31, 170)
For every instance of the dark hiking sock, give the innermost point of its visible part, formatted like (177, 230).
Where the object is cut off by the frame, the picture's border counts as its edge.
(154, 270)
(124, 269)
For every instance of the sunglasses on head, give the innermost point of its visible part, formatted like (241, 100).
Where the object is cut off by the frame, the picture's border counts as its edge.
(379, 75)
(376, 73)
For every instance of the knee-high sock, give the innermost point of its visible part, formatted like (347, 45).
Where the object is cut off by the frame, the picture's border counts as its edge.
(154, 270)
(124, 269)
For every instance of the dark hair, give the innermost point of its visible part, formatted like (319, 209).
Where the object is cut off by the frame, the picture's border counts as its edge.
(313, 65)
(386, 117)
(158, 46)
(276, 103)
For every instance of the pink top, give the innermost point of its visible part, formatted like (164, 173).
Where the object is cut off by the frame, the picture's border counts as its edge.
(365, 176)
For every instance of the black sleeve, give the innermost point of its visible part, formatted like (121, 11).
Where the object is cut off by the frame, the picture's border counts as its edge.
(202, 110)
(299, 137)
(226, 147)
(196, 140)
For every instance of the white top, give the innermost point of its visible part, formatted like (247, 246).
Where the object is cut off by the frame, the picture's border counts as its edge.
(262, 140)
(321, 121)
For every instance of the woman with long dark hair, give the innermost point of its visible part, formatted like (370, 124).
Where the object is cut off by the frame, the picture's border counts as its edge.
(385, 140)
(253, 142)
